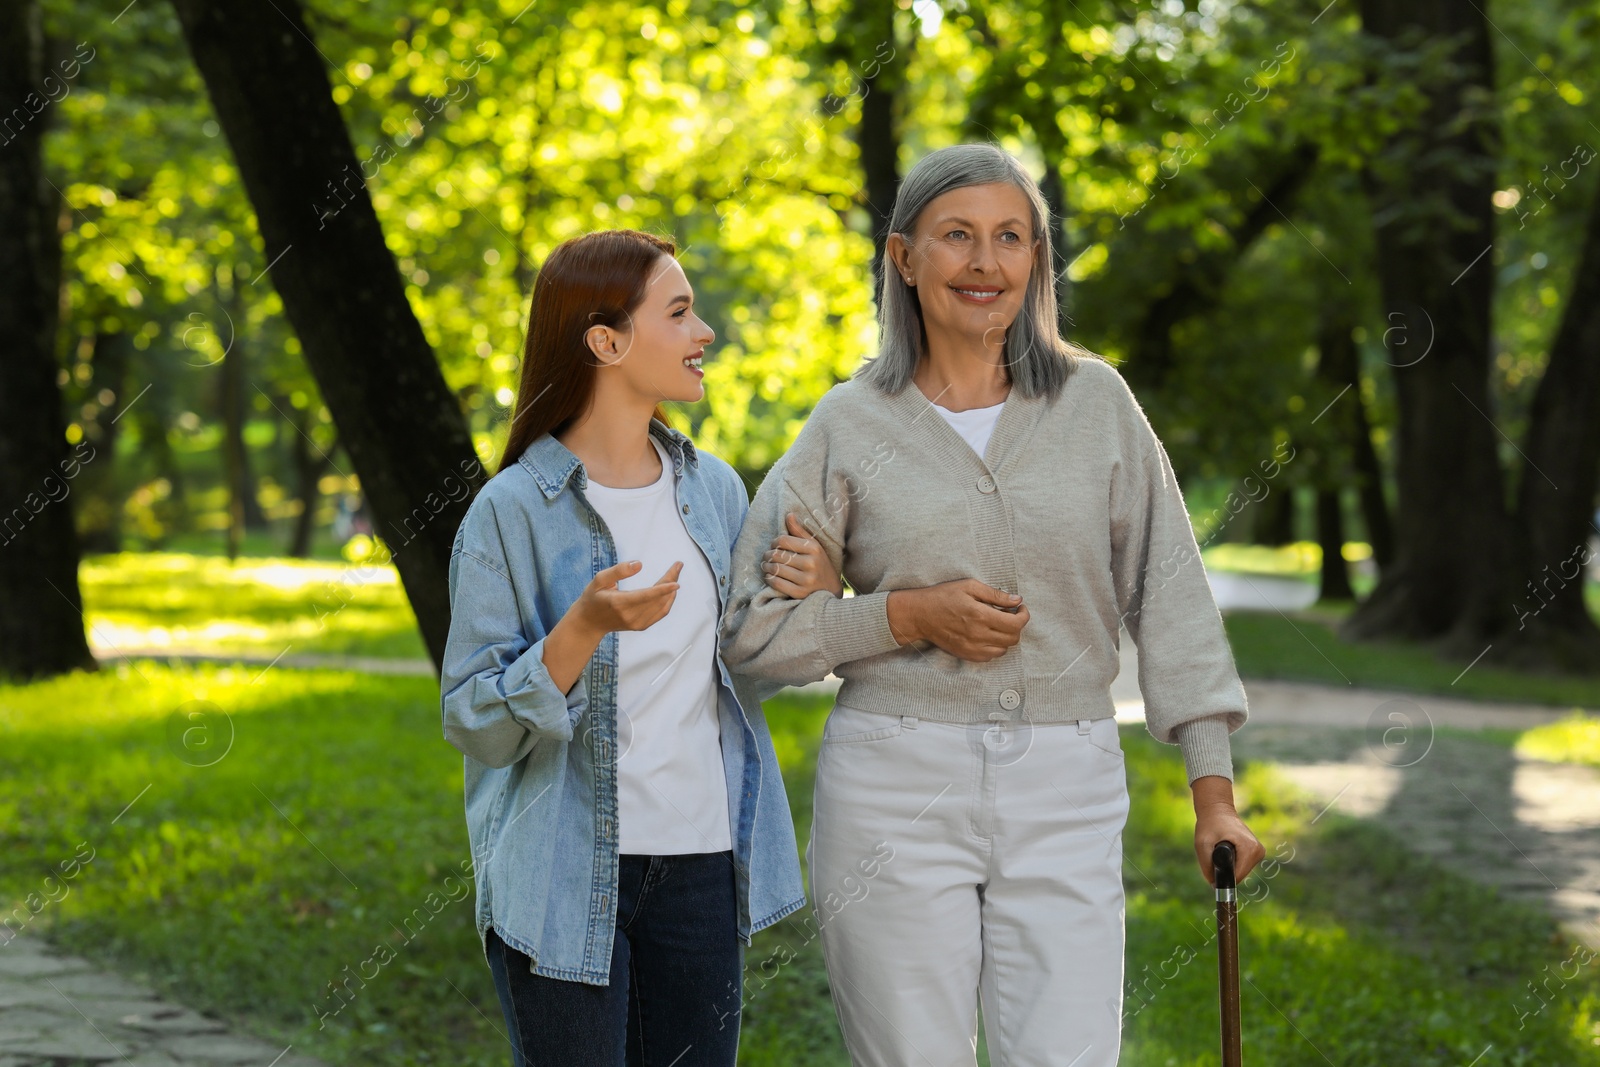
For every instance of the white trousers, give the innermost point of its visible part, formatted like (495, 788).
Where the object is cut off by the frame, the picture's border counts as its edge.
(952, 862)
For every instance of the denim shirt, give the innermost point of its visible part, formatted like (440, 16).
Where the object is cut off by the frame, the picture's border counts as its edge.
(541, 765)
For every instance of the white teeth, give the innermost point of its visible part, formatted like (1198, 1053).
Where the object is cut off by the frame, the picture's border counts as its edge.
(692, 361)
(969, 292)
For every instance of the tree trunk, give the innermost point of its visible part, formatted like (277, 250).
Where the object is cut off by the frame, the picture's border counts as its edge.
(230, 398)
(1055, 195)
(1339, 369)
(877, 137)
(341, 290)
(1556, 496)
(236, 368)
(1453, 537)
(244, 510)
(1330, 535)
(309, 464)
(41, 609)
(1272, 517)
(102, 532)
(151, 416)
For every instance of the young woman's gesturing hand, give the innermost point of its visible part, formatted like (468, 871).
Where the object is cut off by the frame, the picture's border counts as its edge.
(600, 609)
(797, 565)
(604, 608)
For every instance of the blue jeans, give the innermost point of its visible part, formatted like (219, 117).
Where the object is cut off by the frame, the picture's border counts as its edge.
(676, 977)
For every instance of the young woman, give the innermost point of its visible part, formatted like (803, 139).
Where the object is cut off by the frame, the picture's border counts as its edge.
(1001, 508)
(629, 827)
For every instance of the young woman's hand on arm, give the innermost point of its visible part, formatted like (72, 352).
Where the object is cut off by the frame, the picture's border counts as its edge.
(797, 565)
(766, 632)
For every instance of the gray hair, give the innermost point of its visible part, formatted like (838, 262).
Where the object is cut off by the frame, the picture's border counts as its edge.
(1038, 358)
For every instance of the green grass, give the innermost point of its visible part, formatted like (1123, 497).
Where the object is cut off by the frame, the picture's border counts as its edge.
(244, 875)
(260, 606)
(1301, 647)
(266, 605)
(1575, 739)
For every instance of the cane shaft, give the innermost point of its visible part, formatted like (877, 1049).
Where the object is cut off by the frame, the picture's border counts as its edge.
(1222, 860)
(1228, 975)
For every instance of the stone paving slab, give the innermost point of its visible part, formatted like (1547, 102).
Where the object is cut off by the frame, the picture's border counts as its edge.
(61, 1011)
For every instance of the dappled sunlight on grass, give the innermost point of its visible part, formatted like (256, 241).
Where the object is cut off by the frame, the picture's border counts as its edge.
(196, 603)
(1298, 559)
(1575, 739)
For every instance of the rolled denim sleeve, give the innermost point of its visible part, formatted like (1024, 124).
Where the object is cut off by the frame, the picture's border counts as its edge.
(497, 695)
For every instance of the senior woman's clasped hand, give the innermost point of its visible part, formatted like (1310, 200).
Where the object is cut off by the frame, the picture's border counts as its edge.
(966, 618)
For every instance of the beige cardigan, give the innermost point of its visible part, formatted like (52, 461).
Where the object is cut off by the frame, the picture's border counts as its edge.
(1074, 505)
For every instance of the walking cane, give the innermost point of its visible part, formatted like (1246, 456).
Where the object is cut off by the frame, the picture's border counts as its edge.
(1222, 857)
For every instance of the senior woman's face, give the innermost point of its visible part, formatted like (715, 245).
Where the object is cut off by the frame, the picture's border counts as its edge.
(970, 259)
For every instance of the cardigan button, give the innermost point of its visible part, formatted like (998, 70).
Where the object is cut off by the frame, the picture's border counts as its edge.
(1009, 699)
(986, 484)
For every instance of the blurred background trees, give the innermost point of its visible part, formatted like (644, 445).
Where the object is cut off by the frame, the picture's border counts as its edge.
(1347, 255)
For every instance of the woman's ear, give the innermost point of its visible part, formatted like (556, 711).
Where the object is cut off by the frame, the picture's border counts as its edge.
(899, 254)
(602, 341)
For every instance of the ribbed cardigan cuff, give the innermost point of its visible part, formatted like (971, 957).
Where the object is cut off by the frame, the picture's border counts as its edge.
(1205, 746)
(855, 627)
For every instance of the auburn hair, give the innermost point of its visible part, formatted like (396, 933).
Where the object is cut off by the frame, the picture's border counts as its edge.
(598, 279)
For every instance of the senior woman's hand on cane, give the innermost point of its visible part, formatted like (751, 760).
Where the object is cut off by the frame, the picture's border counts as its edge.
(1216, 819)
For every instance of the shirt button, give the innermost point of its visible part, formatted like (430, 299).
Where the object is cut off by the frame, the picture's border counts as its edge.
(686, 509)
(986, 484)
(1009, 699)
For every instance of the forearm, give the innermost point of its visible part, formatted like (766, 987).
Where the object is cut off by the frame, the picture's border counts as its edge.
(906, 615)
(568, 649)
(1212, 792)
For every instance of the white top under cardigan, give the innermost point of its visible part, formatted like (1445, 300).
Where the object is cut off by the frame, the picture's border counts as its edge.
(975, 425)
(671, 795)
(1073, 504)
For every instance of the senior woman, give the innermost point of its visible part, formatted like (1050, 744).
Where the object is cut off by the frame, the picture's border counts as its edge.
(1001, 507)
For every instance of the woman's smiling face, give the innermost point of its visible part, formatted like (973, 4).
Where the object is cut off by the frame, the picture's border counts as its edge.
(659, 353)
(970, 259)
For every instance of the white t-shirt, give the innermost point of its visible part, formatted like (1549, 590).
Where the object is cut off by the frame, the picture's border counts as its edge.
(672, 798)
(974, 424)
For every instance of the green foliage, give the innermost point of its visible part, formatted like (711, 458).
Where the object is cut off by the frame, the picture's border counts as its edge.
(490, 132)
